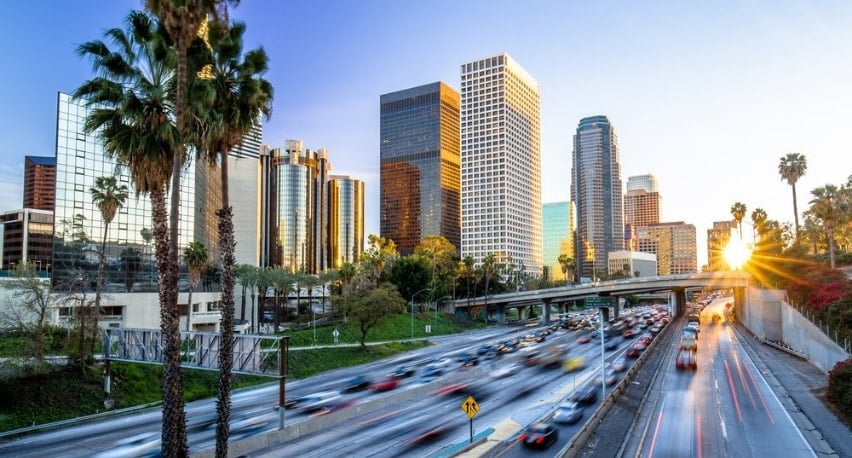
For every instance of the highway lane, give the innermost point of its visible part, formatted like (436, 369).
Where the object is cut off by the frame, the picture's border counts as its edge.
(724, 408)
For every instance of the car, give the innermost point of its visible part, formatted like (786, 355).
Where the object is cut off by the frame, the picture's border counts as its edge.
(686, 360)
(403, 372)
(628, 333)
(442, 363)
(467, 359)
(317, 401)
(611, 343)
(632, 352)
(431, 372)
(539, 435)
(619, 364)
(531, 357)
(357, 383)
(609, 376)
(568, 412)
(505, 370)
(137, 445)
(573, 363)
(688, 343)
(587, 394)
(584, 339)
(386, 384)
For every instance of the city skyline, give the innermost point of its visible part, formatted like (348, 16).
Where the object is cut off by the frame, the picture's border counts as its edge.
(706, 97)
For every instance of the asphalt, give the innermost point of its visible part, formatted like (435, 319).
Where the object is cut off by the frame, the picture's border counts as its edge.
(797, 383)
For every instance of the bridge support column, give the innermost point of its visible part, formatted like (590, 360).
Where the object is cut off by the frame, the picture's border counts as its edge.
(501, 314)
(545, 311)
(678, 301)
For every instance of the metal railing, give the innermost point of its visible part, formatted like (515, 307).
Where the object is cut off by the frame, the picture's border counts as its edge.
(825, 328)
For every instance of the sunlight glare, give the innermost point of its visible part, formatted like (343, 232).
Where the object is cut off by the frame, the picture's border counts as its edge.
(736, 253)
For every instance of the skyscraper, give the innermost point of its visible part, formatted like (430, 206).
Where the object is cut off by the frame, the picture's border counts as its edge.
(420, 165)
(717, 240)
(597, 193)
(39, 182)
(673, 243)
(557, 237)
(346, 220)
(501, 163)
(641, 206)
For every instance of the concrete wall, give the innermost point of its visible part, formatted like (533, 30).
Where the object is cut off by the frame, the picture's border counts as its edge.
(768, 316)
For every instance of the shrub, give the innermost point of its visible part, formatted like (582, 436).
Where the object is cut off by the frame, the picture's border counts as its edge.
(840, 387)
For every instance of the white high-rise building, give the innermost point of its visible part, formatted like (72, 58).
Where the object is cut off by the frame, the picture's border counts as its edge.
(647, 183)
(501, 163)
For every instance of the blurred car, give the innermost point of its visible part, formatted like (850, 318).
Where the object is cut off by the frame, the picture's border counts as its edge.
(505, 370)
(611, 343)
(568, 412)
(386, 384)
(539, 435)
(318, 401)
(573, 363)
(138, 445)
(686, 360)
(619, 364)
(430, 373)
(632, 352)
(628, 333)
(403, 372)
(442, 363)
(610, 377)
(531, 357)
(357, 383)
(584, 339)
(586, 394)
(688, 343)
(467, 359)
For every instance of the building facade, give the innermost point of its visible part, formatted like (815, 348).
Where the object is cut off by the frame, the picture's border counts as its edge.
(346, 220)
(647, 183)
(39, 182)
(717, 240)
(557, 238)
(501, 163)
(27, 236)
(632, 264)
(420, 166)
(596, 190)
(674, 244)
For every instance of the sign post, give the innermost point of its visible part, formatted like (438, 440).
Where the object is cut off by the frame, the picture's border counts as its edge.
(470, 408)
(336, 334)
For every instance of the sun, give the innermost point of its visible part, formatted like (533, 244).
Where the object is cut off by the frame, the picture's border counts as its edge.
(736, 253)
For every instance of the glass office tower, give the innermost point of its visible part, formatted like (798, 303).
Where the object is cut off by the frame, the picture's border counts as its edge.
(79, 228)
(557, 237)
(420, 166)
(501, 163)
(597, 192)
(346, 220)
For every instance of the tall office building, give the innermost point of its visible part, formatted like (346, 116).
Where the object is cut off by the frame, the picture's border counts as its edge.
(79, 228)
(641, 207)
(647, 183)
(501, 163)
(557, 237)
(420, 166)
(674, 244)
(596, 191)
(39, 182)
(346, 220)
(717, 240)
(26, 235)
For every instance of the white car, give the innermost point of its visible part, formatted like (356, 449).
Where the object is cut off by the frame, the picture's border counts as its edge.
(138, 445)
(505, 370)
(318, 401)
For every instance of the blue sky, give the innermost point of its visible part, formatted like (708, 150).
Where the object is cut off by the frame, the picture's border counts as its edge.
(705, 95)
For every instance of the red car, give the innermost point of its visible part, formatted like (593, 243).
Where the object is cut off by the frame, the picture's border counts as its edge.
(386, 384)
(686, 360)
(584, 339)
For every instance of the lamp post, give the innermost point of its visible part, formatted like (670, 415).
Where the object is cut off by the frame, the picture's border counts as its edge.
(438, 302)
(412, 309)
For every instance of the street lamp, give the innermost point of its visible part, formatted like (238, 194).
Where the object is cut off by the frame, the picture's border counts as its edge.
(438, 302)
(412, 309)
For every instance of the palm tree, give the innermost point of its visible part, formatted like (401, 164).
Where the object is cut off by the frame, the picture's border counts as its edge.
(108, 196)
(282, 281)
(824, 206)
(568, 264)
(264, 281)
(738, 211)
(467, 263)
(247, 277)
(792, 167)
(758, 218)
(196, 258)
(132, 114)
(489, 262)
(239, 97)
(325, 278)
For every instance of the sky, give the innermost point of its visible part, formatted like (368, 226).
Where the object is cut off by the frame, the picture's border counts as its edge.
(707, 96)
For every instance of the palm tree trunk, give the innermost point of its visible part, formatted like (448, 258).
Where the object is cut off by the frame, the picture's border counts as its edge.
(226, 346)
(174, 417)
(189, 309)
(795, 211)
(98, 289)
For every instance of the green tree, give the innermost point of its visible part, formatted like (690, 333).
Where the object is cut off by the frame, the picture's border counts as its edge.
(791, 167)
(366, 306)
(130, 259)
(109, 197)
(442, 258)
(380, 251)
(410, 274)
(131, 100)
(738, 211)
(196, 258)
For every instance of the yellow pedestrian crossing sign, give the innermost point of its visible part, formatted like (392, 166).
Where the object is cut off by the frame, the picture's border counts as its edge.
(470, 407)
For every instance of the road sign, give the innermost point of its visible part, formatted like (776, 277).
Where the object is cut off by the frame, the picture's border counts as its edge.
(470, 407)
(599, 301)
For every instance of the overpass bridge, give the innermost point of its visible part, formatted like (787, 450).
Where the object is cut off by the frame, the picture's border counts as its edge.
(494, 306)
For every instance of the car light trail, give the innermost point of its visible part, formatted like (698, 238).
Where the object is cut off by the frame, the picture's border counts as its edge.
(733, 393)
